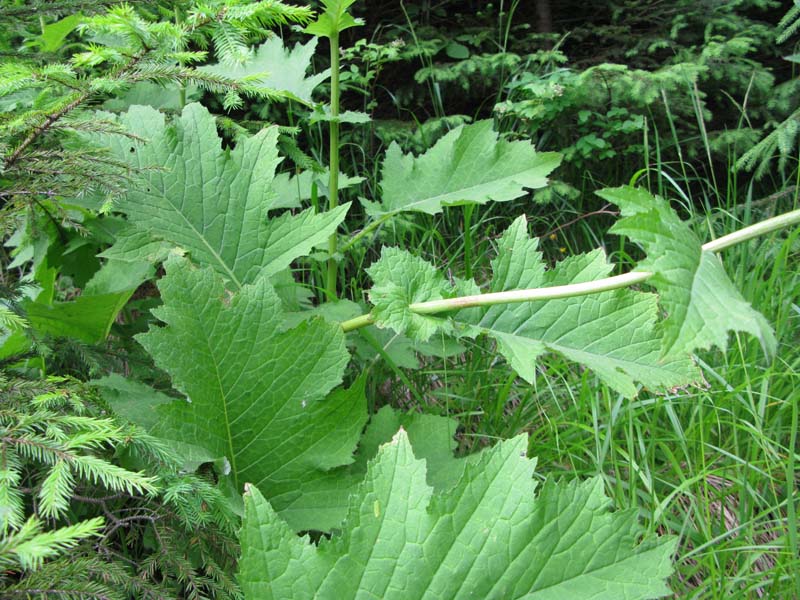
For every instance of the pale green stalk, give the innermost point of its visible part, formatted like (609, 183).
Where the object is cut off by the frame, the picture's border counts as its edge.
(578, 289)
(529, 295)
(752, 231)
(368, 229)
(333, 184)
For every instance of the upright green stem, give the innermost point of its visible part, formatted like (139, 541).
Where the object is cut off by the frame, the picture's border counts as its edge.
(468, 208)
(333, 185)
(579, 289)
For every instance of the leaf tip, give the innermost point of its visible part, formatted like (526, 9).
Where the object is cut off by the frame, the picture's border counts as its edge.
(400, 436)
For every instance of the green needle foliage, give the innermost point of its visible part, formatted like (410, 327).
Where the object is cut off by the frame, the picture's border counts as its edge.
(47, 99)
(28, 546)
(66, 505)
(62, 445)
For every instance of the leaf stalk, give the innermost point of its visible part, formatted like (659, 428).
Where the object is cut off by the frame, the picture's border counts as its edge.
(579, 289)
(333, 184)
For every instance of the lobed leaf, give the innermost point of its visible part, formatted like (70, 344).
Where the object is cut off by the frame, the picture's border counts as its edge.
(257, 396)
(401, 279)
(212, 202)
(486, 537)
(468, 165)
(613, 333)
(701, 303)
(282, 70)
(334, 19)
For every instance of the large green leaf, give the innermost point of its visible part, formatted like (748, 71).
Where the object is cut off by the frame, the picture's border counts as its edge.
(701, 302)
(283, 70)
(212, 202)
(613, 333)
(88, 318)
(486, 537)
(257, 396)
(468, 165)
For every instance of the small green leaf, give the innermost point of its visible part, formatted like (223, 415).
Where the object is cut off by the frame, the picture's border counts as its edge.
(88, 318)
(334, 19)
(401, 279)
(322, 113)
(54, 34)
(457, 51)
(292, 190)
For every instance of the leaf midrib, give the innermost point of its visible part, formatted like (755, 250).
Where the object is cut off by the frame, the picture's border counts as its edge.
(465, 190)
(224, 400)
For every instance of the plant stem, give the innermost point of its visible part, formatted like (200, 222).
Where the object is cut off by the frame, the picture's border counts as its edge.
(468, 208)
(333, 185)
(529, 295)
(578, 289)
(751, 231)
(376, 345)
(182, 87)
(358, 322)
(368, 229)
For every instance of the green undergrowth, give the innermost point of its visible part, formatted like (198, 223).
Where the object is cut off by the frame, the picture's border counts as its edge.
(714, 463)
(337, 357)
